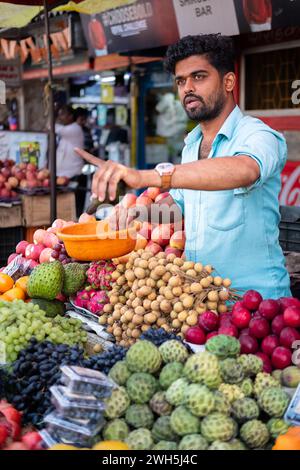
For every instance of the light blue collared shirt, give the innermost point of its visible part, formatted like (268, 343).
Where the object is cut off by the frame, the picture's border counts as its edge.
(236, 231)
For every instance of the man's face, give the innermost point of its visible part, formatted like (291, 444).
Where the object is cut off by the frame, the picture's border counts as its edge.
(200, 88)
(64, 117)
(81, 120)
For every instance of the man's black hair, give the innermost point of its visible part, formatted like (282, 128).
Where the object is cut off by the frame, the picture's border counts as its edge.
(66, 109)
(81, 112)
(218, 49)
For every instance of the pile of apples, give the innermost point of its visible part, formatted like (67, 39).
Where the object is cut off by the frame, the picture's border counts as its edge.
(156, 238)
(268, 328)
(45, 242)
(24, 176)
(12, 437)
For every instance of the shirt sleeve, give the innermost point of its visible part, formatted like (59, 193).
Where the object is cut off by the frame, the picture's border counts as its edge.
(177, 195)
(269, 150)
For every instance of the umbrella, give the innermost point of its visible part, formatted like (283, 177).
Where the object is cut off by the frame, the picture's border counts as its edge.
(18, 13)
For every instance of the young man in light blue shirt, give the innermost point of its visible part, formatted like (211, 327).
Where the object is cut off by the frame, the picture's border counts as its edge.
(228, 184)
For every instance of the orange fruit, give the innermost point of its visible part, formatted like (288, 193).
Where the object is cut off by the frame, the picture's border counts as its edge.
(111, 445)
(6, 283)
(22, 282)
(14, 293)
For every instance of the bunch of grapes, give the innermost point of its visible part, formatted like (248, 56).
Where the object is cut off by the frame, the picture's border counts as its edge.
(20, 321)
(60, 253)
(106, 360)
(159, 336)
(34, 372)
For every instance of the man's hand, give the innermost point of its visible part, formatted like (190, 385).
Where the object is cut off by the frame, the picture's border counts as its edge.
(108, 176)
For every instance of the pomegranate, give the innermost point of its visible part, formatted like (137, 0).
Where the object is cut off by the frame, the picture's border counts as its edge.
(291, 317)
(281, 358)
(266, 361)
(21, 247)
(237, 305)
(209, 321)
(288, 336)
(241, 317)
(269, 344)
(245, 331)
(252, 300)
(286, 302)
(211, 335)
(195, 335)
(278, 324)
(269, 309)
(229, 330)
(249, 345)
(225, 319)
(33, 251)
(259, 327)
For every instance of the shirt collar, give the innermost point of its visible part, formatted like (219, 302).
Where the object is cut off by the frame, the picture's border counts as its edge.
(227, 129)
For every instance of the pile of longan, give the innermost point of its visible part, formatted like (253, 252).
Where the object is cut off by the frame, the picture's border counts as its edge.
(161, 291)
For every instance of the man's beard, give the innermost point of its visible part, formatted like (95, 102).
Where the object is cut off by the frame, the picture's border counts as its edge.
(206, 111)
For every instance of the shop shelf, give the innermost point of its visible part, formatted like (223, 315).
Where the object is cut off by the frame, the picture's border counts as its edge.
(289, 227)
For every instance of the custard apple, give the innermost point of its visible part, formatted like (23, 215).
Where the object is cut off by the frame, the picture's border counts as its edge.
(245, 409)
(277, 427)
(247, 387)
(232, 392)
(183, 422)
(162, 430)
(169, 373)
(231, 371)
(274, 401)
(175, 394)
(143, 356)
(203, 368)
(251, 364)
(222, 404)
(218, 427)
(255, 434)
(236, 444)
(120, 373)
(218, 445)
(199, 400)
(139, 416)
(223, 346)
(116, 430)
(263, 381)
(117, 404)
(160, 405)
(141, 387)
(172, 351)
(140, 439)
(193, 442)
(165, 445)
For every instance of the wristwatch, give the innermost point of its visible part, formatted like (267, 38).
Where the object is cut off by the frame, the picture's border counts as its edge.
(166, 171)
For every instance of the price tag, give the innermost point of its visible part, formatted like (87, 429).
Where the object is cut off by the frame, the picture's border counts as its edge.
(2, 353)
(292, 414)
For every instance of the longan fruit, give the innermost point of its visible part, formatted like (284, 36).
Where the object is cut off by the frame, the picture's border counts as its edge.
(160, 270)
(143, 264)
(116, 315)
(142, 283)
(150, 318)
(174, 315)
(145, 328)
(162, 262)
(145, 290)
(208, 268)
(122, 299)
(152, 296)
(191, 272)
(184, 329)
(160, 284)
(226, 282)
(108, 308)
(222, 308)
(166, 327)
(136, 333)
(198, 267)
(196, 288)
(176, 323)
(168, 293)
(213, 296)
(131, 325)
(171, 257)
(178, 262)
(166, 277)
(121, 268)
(123, 310)
(128, 265)
(178, 307)
(169, 267)
(218, 281)
(118, 331)
(212, 305)
(130, 276)
(161, 255)
(154, 276)
(123, 343)
(188, 265)
(205, 282)
(110, 330)
(187, 289)
(139, 310)
(192, 320)
(128, 316)
(188, 302)
(152, 264)
(114, 299)
(182, 316)
(146, 255)
(155, 305)
(160, 321)
(129, 303)
(102, 320)
(162, 290)
(140, 273)
(123, 319)
(147, 304)
(137, 302)
(177, 291)
(150, 283)
(224, 295)
(138, 319)
(110, 321)
(165, 306)
(115, 275)
(174, 281)
(183, 296)
(128, 332)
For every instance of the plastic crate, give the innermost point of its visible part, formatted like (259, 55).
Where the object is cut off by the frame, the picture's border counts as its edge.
(289, 228)
(9, 238)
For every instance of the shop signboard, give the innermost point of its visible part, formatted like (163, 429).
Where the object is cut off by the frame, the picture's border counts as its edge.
(10, 73)
(290, 191)
(24, 147)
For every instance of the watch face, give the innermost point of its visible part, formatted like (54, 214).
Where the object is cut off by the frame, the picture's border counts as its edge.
(165, 168)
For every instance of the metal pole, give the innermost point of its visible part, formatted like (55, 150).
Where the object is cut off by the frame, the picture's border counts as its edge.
(52, 139)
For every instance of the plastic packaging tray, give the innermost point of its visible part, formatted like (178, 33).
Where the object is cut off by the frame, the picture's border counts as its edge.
(87, 381)
(71, 406)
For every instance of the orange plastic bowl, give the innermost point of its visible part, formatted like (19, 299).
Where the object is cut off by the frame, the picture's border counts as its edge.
(95, 241)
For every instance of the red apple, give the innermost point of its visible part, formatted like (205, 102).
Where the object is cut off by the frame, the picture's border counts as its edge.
(245, 331)
(238, 304)
(46, 183)
(31, 440)
(45, 255)
(288, 336)
(177, 240)
(267, 365)
(146, 230)
(152, 193)
(154, 248)
(291, 317)
(11, 257)
(23, 184)
(31, 167)
(161, 197)
(228, 331)
(209, 321)
(162, 234)
(281, 358)
(42, 175)
(241, 317)
(269, 309)
(21, 247)
(129, 200)
(225, 319)
(13, 182)
(278, 324)
(50, 240)
(59, 223)
(195, 335)
(2, 179)
(5, 193)
(211, 335)
(259, 327)
(39, 235)
(6, 173)
(143, 201)
(269, 343)
(31, 184)
(141, 242)
(286, 302)
(34, 251)
(252, 300)
(249, 345)
(173, 251)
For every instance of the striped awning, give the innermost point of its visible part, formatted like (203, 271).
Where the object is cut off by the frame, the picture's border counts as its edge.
(18, 13)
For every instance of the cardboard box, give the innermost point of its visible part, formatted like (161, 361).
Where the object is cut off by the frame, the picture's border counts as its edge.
(36, 209)
(10, 216)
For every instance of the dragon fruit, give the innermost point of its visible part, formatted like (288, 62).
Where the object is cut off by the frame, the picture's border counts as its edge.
(82, 299)
(97, 302)
(99, 274)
